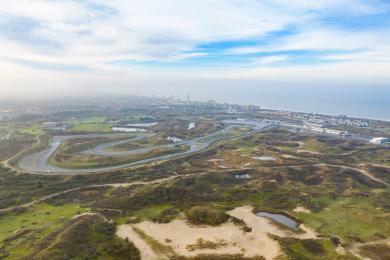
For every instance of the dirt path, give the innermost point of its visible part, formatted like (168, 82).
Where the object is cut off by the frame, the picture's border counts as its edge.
(355, 248)
(364, 172)
(127, 184)
(126, 231)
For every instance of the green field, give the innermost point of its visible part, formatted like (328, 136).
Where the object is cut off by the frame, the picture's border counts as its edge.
(350, 218)
(33, 129)
(37, 222)
(143, 143)
(93, 124)
(85, 161)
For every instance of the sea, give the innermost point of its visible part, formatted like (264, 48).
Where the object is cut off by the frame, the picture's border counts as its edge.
(360, 102)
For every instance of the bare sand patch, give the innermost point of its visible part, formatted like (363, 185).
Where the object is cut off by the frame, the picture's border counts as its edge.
(309, 233)
(301, 209)
(184, 238)
(245, 165)
(288, 156)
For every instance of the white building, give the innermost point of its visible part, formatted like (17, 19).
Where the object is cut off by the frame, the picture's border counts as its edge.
(379, 140)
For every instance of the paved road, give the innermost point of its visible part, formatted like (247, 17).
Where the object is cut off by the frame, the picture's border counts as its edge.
(6, 136)
(38, 162)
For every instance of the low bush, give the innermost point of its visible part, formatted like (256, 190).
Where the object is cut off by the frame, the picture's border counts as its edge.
(203, 215)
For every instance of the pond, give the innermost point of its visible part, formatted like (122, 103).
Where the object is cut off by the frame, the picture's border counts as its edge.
(286, 221)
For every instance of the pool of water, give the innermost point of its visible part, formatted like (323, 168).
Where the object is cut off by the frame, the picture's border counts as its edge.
(286, 221)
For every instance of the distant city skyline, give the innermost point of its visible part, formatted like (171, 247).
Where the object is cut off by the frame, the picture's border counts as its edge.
(237, 50)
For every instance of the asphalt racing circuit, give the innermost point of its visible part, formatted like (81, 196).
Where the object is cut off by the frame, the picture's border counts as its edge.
(38, 162)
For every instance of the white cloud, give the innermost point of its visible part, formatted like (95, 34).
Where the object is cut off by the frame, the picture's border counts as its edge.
(89, 32)
(366, 46)
(271, 59)
(95, 33)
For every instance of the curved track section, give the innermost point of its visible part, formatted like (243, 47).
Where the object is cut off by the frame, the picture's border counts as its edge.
(39, 162)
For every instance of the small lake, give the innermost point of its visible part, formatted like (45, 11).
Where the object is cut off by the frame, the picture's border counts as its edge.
(286, 221)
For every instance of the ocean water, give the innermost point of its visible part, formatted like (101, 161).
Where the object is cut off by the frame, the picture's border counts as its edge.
(356, 101)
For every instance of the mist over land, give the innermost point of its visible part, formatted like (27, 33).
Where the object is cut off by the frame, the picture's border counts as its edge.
(357, 101)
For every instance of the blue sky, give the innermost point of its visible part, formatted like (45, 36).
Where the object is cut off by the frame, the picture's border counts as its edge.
(92, 42)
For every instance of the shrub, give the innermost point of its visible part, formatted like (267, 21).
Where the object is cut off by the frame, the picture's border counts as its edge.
(204, 215)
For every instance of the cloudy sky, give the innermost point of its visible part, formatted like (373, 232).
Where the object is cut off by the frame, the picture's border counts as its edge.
(175, 47)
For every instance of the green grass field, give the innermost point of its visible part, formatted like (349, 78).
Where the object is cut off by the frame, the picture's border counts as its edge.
(86, 161)
(93, 124)
(33, 129)
(37, 222)
(312, 249)
(148, 142)
(350, 217)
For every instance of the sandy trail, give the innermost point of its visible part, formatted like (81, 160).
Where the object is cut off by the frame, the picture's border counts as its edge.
(126, 231)
(364, 172)
(356, 250)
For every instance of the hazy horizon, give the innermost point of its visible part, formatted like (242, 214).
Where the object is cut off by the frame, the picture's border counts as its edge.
(352, 101)
(322, 56)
